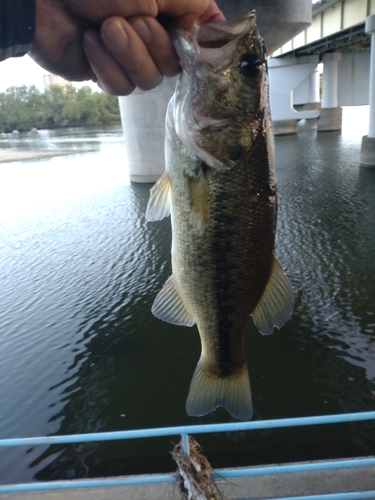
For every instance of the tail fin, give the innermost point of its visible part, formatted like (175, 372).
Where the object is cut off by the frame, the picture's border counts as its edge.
(207, 392)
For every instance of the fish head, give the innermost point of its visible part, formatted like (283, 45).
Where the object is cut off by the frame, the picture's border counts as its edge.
(222, 96)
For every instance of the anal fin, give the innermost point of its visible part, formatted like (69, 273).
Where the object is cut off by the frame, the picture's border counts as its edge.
(159, 204)
(168, 306)
(276, 304)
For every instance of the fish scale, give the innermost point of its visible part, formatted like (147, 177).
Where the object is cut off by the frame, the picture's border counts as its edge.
(219, 188)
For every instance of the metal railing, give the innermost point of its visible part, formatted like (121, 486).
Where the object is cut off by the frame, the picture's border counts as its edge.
(184, 432)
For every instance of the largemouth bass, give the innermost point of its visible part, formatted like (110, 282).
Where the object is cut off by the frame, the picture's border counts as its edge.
(219, 188)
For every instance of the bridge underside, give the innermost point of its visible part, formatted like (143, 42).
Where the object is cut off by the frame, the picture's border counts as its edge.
(341, 37)
(353, 39)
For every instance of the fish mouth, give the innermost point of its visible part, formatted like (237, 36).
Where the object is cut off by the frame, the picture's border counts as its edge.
(205, 121)
(212, 41)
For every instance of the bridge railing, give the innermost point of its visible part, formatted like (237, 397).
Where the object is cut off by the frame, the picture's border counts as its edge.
(184, 432)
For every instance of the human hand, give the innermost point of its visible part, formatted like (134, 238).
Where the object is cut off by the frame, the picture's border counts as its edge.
(133, 49)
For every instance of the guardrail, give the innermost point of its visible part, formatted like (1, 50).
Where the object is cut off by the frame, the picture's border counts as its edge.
(184, 431)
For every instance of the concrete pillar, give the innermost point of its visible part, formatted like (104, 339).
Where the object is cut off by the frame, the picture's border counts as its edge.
(330, 79)
(278, 21)
(330, 114)
(307, 96)
(313, 100)
(370, 28)
(368, 141)
(285, 75)
(142, 118)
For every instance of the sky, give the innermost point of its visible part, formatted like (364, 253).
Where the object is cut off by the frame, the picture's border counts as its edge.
(18, 71)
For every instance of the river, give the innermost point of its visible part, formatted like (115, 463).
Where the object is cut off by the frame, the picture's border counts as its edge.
(81, 352)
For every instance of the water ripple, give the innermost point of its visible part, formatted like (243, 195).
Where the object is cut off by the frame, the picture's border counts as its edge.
(81, 351)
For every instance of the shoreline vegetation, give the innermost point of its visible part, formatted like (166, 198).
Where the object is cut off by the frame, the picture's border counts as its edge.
(59, 106)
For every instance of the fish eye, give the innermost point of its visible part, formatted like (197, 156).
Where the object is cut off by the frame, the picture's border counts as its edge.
(249, 65)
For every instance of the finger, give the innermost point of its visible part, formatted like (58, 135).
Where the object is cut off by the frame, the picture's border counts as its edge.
(212, 15)
(158, 44)
(188, 11)
(57, 45)
(110, 77)
(128, 49)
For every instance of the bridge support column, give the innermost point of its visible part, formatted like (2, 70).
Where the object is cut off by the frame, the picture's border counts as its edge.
(142, 118)
(330, 114)
(368, 141)
(285, 75)
(307, 94)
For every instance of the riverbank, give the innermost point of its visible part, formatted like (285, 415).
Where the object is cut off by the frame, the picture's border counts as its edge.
(8, 155)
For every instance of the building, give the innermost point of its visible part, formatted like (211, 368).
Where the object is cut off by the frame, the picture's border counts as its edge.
(53, 80)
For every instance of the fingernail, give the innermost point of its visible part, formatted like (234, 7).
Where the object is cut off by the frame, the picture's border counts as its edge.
(142, 30)
(116, 36)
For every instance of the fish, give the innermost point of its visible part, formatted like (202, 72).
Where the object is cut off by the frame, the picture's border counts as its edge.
(219, 187)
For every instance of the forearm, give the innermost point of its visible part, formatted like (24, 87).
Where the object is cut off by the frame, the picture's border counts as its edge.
(17, 27)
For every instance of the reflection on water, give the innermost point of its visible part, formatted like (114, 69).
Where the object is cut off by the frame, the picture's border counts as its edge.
(81, 351)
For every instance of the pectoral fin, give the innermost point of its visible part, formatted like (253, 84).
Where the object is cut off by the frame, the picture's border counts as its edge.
(276, 305)
(159, 205)
(168, 306)
(198, 196)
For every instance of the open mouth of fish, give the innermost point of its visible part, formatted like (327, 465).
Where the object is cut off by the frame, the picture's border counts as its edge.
(205, 121)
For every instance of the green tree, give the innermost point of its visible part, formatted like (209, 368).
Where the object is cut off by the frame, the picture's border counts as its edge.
(90, 113)
(21, 108)
(71, 110)
(2, 112)
(54, 102)
(24, 107)
(109, 106)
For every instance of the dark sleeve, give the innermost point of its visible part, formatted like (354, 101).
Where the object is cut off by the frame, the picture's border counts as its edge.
(17, 27)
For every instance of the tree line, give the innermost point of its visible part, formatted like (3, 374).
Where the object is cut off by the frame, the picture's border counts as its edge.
(23, 108)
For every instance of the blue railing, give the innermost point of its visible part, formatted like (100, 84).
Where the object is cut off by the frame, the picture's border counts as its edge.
(184, 432)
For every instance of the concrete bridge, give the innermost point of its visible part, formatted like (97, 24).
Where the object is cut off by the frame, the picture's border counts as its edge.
(339, 37)
(301, 38)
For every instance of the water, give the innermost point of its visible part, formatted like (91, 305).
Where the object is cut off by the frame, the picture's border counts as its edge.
(81, 351)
